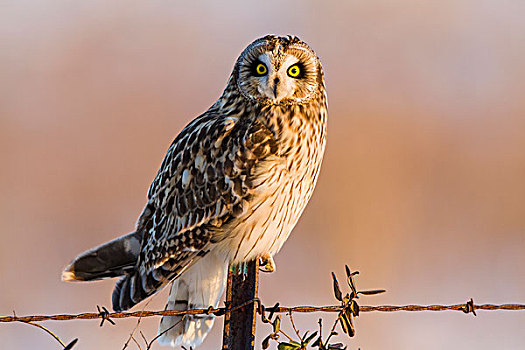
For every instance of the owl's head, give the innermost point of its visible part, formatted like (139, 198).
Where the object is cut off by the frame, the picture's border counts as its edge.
(277, 70)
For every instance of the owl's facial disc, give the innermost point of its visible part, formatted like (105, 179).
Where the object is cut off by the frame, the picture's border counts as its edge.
(278, 74)
(277, 84)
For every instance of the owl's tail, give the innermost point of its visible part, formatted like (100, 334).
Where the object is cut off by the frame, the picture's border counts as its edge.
(200, 287)
(112, 259)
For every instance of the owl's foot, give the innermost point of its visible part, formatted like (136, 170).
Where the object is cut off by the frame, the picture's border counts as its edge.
(266, 263)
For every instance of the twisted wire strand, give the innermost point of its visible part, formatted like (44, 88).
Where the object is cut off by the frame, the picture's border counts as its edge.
(468, 307)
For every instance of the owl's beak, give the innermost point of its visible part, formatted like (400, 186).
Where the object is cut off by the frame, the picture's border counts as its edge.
(274, 90)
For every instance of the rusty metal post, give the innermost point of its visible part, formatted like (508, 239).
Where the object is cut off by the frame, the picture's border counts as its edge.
(239, 325)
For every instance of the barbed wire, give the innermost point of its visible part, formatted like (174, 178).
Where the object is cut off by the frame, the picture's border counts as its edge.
(103, 314)
(346, 312)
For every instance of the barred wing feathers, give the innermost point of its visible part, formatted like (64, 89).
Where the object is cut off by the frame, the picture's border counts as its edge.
(205, 181)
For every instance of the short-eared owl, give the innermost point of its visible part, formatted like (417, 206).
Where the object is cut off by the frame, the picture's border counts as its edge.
(232, 186)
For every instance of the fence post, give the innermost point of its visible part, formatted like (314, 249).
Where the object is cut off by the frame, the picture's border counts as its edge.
(239, 325)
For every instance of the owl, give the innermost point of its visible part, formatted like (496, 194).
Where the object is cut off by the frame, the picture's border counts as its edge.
(230, 189)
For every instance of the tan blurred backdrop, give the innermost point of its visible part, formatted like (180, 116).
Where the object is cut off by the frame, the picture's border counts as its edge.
(422, 188)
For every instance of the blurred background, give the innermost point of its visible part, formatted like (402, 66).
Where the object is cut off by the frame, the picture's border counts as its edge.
(422, 188)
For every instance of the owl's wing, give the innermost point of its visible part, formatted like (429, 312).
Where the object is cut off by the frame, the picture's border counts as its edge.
(205, 181)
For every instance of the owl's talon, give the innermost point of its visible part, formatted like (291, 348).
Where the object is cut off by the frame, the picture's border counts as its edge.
(267, 264)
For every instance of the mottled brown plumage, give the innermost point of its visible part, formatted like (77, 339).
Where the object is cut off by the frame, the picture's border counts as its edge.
(232, 185)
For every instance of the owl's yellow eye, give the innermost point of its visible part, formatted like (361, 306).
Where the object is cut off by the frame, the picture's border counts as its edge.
(294, 71)
(261, 69)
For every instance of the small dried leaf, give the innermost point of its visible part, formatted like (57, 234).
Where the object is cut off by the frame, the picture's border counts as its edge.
(70, 345)
(336, 346)
(351, 283)
(348, 273)
(288, 346)
(354, 308)
(317, 342)
(346, 322)
(337, 290)
(309, 339)
(277, 324)
(266, 342)
(304, 335)
(372, 292)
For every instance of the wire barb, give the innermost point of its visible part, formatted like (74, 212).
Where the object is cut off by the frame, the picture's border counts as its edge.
(104, 315)
(469, 307)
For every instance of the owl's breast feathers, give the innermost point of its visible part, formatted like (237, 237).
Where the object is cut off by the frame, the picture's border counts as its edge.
(215, 174)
